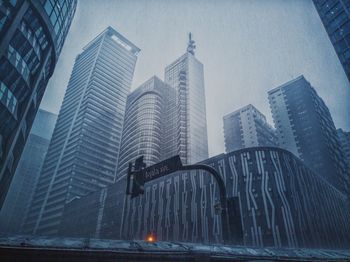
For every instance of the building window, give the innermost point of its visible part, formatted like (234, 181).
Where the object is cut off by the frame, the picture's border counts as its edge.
(48, 7)
(7, 98)
(15, 58)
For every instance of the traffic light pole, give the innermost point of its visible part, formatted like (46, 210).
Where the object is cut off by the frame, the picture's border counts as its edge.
(140, 175)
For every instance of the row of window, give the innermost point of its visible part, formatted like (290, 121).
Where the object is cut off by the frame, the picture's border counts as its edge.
(57, 11)
(7, 98)
(60, 13)
(6, 8)
(33, 40)
(16, 59)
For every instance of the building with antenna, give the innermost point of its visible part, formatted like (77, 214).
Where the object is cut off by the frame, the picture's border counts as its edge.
(186, 75)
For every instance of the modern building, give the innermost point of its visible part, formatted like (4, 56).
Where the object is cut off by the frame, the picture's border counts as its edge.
(149, 118)
(280, 202)
(21, 191)
(32, 34)
(247, 127)
(186, 75)
(83, 153)
(344, 139)
(335, 16)
(96, 215)
(305, 127)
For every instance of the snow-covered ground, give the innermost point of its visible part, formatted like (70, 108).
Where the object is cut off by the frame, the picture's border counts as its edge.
(143, 247)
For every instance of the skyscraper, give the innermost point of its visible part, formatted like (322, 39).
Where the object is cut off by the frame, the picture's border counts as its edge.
(32, 34)
(344, 140)
(148, 120)
(247, 127)
(335, 16)
(83, 153)
(17, 201)
(305, 127)
(186, 75)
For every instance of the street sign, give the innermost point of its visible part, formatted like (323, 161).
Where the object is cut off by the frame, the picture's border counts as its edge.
(163, 168)
(140, 175)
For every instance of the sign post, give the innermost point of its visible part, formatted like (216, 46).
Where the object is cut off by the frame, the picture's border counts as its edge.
(138, 175)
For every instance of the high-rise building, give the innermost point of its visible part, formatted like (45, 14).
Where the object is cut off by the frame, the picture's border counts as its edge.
(280, 202)
(32, 34)
(247, 127)
(344, 140)
(335, 16)
(305, 127)
(17, 201)
(186, 75)
(83, 153)
(148, 120)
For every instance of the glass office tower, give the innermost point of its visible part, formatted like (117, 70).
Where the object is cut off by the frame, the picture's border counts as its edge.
(305, 127)
(247, 127)
(32, 34)
(83, 152)
(335, 16)
(27, 173)
(186, 75)
(148, 120)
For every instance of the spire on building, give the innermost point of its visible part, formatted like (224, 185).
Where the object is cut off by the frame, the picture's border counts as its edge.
(191, 46)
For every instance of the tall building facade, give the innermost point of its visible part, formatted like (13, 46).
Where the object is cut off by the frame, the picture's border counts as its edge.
(32, 34)
(344, 139)
(280, 202)
(305, 127)
(21, 191)
(247, 127)
(335, 16)
(186, 75)
(83, 153)
(148, 119)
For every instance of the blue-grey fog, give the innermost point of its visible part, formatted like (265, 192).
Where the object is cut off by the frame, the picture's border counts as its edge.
(247, 48)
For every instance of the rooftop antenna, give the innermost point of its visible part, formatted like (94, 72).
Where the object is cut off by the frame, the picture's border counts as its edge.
(191, 46)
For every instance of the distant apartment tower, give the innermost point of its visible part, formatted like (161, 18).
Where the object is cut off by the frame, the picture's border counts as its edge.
(186, 75)
(305, 127)
(344, 139)
(21, 191)
(148, 125)
(32, 34)
(335, 16)
(247, 127)
(83, 153)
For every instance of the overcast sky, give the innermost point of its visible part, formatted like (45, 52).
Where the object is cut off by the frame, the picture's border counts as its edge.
(247, 48)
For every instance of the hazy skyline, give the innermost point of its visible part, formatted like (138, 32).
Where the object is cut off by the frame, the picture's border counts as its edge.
(247, 48)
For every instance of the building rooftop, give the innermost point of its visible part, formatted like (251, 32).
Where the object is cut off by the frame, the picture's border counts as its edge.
(246, 108)
(118, 38)
(250, 106)
(286, 84)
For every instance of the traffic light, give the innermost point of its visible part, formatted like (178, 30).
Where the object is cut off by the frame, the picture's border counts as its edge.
(135, 183)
